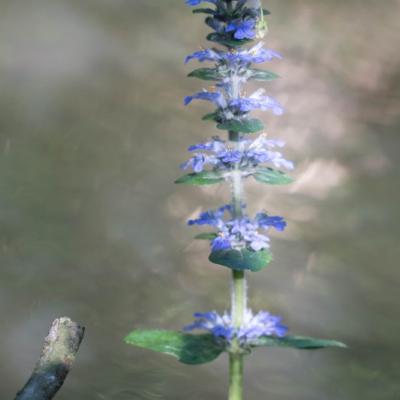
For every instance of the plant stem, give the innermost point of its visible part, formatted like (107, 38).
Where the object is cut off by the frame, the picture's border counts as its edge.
(238, 289)
(238, 297)
(235, 376)
(238, 294)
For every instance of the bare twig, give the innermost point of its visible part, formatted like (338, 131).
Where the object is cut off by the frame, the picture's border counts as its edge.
(58, 354)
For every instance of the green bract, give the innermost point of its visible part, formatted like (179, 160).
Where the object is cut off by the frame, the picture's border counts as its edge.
(187, 348)
(272, 176)
(207, 74)
(210, 117)
(262, 75)
(206, 236)
(203, 11)
(242, 126)
(225, 40)
(297, 342)
(242, 260)
(201, 178)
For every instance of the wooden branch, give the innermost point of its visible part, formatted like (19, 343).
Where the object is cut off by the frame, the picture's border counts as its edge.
(58, 354)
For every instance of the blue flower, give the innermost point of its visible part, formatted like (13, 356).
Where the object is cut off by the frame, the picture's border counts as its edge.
(240, 105)
(230, 156)
(219, 326)
(197, 2)
(256, 54)
(213, 217)
(244, 230)
(205, 218)
(259, 242)
(261, 151)
(220, 243)
(222, 157)
(197, 162)
(265, 221)
(239, 233)
(256, 101)
(215, 97)
(204, 55)
(242, 29)
(214, 145)
(254, 327)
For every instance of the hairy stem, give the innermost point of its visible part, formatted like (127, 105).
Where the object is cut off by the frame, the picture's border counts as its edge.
(235, 377)
(238, 289)
(238, 297)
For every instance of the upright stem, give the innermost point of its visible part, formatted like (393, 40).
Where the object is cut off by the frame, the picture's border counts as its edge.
(239, 295)
(238, 289)
(235, 357)
(235, 376)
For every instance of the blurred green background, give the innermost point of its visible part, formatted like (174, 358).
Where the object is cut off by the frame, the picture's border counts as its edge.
(92, 130)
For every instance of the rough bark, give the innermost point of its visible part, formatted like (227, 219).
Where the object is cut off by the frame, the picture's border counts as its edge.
(58, 354)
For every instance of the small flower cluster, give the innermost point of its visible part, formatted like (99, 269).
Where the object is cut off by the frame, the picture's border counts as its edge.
(224, 158)
(239, 233)
(229, 106)
(235, 22)
(242, 27)
(238, 59)
(232, 68)
(253, 327)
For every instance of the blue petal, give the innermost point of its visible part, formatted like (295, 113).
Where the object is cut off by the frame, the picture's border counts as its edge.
(220, 243)
(197, 2)
(265, 221)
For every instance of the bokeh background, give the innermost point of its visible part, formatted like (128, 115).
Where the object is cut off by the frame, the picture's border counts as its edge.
(92, 130)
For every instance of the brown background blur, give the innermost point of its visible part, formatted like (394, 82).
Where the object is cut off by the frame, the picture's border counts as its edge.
(92, 130)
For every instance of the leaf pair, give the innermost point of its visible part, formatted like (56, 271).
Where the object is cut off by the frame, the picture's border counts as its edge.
(213, 74)
(246, 125)
(239, 260)
(262, 174)
(204, 348)
(243, 124)
(237, 125)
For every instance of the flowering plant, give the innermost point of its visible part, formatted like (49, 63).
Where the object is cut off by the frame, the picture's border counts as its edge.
(238, 242)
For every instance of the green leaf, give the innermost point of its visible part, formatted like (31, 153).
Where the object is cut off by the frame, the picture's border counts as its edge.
(187, 348)
(222, 39)
(242, 259)
(201, 178)
(207, 74)
(298, 342)
(262, 75)
(206, 236)
(272, 176)
(211, 117)
(203, 11)
(244, 126)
